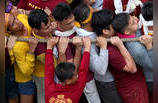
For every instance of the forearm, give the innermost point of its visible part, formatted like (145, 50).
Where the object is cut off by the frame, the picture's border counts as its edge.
(77, 58)
(130, 64)
(61, 58)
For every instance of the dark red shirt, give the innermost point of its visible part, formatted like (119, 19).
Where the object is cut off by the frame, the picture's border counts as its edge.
(68, 93)
(38, 4)
(126, 83)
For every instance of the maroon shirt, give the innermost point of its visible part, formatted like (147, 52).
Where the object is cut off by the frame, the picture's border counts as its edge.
(131, 86)
(38, 4)
(68, 93)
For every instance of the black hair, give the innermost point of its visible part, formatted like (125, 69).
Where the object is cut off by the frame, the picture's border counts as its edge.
(61, 11)
(65, 71)
(75, 3)
(37, 17)
(81, 13)
(120, 22)
(147, 11)
(102, 20)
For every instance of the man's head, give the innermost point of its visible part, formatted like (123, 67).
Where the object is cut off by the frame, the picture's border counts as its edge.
(63, 15)
(147, 11)
(12, 23)
(89, 2)
(65, 73)
(101, 23)
(83, 14)
(40, 22)
(125, 24)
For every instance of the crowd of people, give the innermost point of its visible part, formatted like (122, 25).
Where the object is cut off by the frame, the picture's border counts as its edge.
(94, 51)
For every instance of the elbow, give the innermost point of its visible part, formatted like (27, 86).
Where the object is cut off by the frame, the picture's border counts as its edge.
(130, 68)
(133, 70)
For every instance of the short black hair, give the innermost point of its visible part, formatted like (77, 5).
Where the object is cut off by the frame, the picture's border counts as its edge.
(64, 71)
(61, 11)
(37, 17)
(120, 22)
(81, 13)
(102, 20)
(147, 11)
(75, 3)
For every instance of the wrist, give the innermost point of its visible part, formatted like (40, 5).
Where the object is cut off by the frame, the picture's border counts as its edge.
(61, 53)
(49, 47)
(103, 47)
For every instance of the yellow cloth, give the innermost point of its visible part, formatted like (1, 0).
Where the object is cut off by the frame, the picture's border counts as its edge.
(24, 62)
(24, 20)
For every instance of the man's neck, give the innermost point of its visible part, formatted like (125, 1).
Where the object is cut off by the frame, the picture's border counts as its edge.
(88, 28)
(132, 33)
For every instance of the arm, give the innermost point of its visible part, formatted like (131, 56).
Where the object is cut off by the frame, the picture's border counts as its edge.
(77, 57)
(62, 57)
(83, 69)
(49, 68)
(130, 64)
(10, 44)
(49, 62)
(77, 41)
(62, 45)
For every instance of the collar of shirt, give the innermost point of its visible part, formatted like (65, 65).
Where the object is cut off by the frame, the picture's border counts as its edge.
(125, 36)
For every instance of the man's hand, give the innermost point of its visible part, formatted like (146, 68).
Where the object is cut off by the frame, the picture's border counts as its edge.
(87, 43)
(116, 41)
(63, 43)
(77, 41)
(33, 43)
(146, 40)
(101, 42)
(52, 42)
(11, 42)
(47, 10)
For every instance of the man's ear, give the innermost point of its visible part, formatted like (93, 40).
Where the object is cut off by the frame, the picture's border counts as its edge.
(105, 31)
(42, 25)
(126, 32)
(34, 30)
(67, 82)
